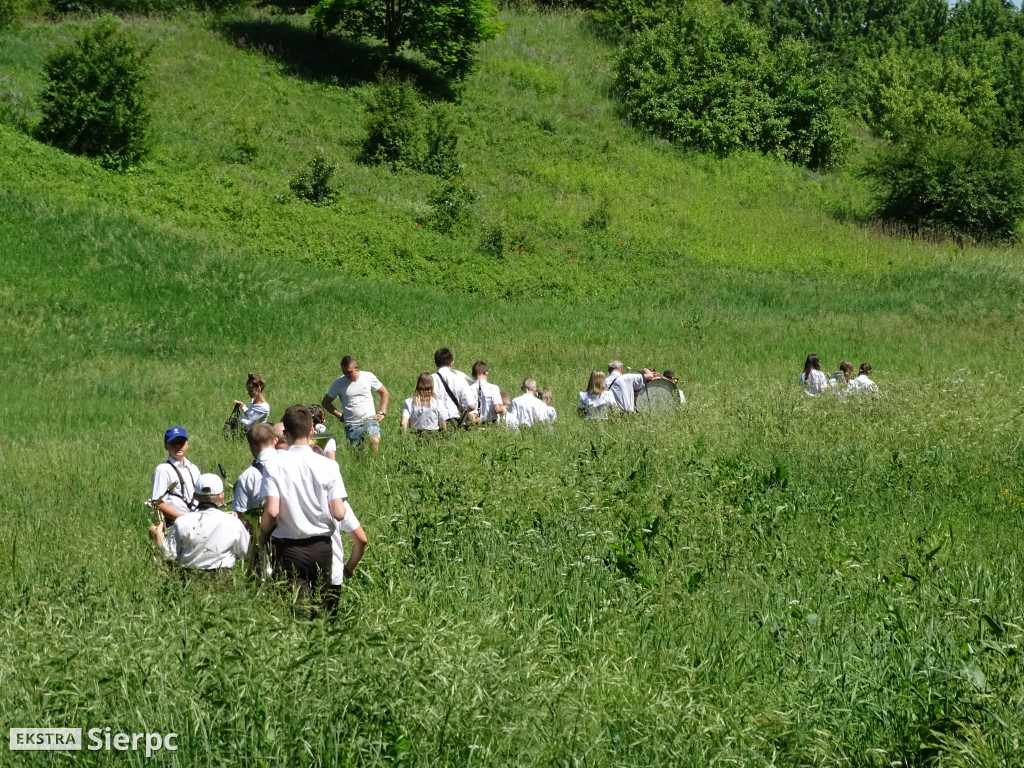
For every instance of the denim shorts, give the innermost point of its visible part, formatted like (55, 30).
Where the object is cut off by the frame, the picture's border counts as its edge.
(356, 432)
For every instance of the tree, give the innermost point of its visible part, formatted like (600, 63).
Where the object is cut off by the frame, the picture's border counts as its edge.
(446, 32)
(94, 103)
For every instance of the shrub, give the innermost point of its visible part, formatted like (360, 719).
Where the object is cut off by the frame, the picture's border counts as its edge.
(451, 206)
(313, 184)
(93, 103)
(7, 13)
(959, 186)
(441, 144)
(394, 125)
(705, 78)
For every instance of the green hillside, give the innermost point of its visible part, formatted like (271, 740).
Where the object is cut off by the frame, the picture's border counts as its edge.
(762, 579)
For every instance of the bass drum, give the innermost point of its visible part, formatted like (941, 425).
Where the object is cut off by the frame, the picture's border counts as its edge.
(658, 396)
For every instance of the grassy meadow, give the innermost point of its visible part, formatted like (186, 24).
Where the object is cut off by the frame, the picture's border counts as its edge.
(763, 579)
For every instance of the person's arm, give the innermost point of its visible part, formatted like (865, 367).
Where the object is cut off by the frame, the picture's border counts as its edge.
(383, 391)
(405, 422)
(268, 520)
(158, 536)
(358, 537)
(170, 512)
(328, 404)
(337, 508)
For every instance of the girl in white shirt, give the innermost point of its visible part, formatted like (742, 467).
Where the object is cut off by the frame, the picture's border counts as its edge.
(422, 412)
(812, 379)
(597, 402)
(862, 383)
(841, 378)
(258, 409)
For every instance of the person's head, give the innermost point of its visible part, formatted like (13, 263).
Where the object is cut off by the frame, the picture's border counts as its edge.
(865, 369)
(506, 398)
(424, 389)
(255, 384)
(479, 370)
(615, 365)
(260, 436)
(209, 489)
(444, 358)
(529, 385)
(596, 384)
(349, 368)
(846, 368)
(811, 364)
(280, 437)
(671, 376)
(317, 412)
(649, 374)
(176, 442)
(545, 396)
(298, 423)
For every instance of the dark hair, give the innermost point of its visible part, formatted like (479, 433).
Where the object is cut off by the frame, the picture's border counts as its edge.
(670, 375)
(317, 412)
(443, 357)
(346, 361)
(865, 369)
(261, 434)
(479, 367)
(298, 423)
(255, 380)
(811, 364)
(318, 450)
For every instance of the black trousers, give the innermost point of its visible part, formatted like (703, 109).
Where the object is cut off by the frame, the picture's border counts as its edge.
(306, 563)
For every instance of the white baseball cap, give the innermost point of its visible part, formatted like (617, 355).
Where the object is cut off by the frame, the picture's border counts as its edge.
(209, 485)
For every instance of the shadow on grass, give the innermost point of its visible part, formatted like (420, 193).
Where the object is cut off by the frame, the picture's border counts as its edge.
(328, 58)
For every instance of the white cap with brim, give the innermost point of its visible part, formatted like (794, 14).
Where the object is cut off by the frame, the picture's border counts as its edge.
(209, 485)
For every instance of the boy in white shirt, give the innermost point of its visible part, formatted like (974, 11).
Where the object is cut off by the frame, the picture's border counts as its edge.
(528, 409)
(545, 397)
(457, 400)
(489, 405)
(247, 488)
(207, 538)
(174, 480)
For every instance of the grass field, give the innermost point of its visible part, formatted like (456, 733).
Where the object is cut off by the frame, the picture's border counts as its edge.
(763, 580)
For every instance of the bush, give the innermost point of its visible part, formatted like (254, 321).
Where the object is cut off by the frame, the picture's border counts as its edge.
(313, 184)
(7, 13)
(705, 78)
(451, 207)
(961, 186)
(93, 103)
(403, 133)
(394, 125)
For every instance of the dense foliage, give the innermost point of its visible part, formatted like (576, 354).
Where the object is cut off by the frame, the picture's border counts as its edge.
(955, 186)
(313, 183)
(447, 32)
(94, 102)
(705, 78)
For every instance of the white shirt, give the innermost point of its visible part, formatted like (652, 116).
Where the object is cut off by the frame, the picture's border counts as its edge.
(206, 539)
(623, 387)
(255, 413)
(465, 396)
(305, 483)
(346, 525)
(597, 406)
(528, 409)
(814, 384)
(487, 395)
(356, 396)
(861, 384)
(164, 475)
(423, 416)
(247, 487)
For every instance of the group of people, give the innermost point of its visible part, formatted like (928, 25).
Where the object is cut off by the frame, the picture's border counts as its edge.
(843, 382)
(292, 498)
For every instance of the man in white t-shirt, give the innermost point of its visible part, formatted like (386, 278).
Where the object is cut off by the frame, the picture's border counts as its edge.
(623, 386)
(457, 398)
(206, 538)
(489, 405)
(174, 479)
(304, 499)
(355, 389)
(528, 409)
(262, 446)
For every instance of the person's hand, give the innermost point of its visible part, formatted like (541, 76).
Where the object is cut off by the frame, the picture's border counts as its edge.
(239, 403)
(378, 416)
(348, 570)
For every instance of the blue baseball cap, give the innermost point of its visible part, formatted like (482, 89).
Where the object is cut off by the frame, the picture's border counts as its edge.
(175, 432)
